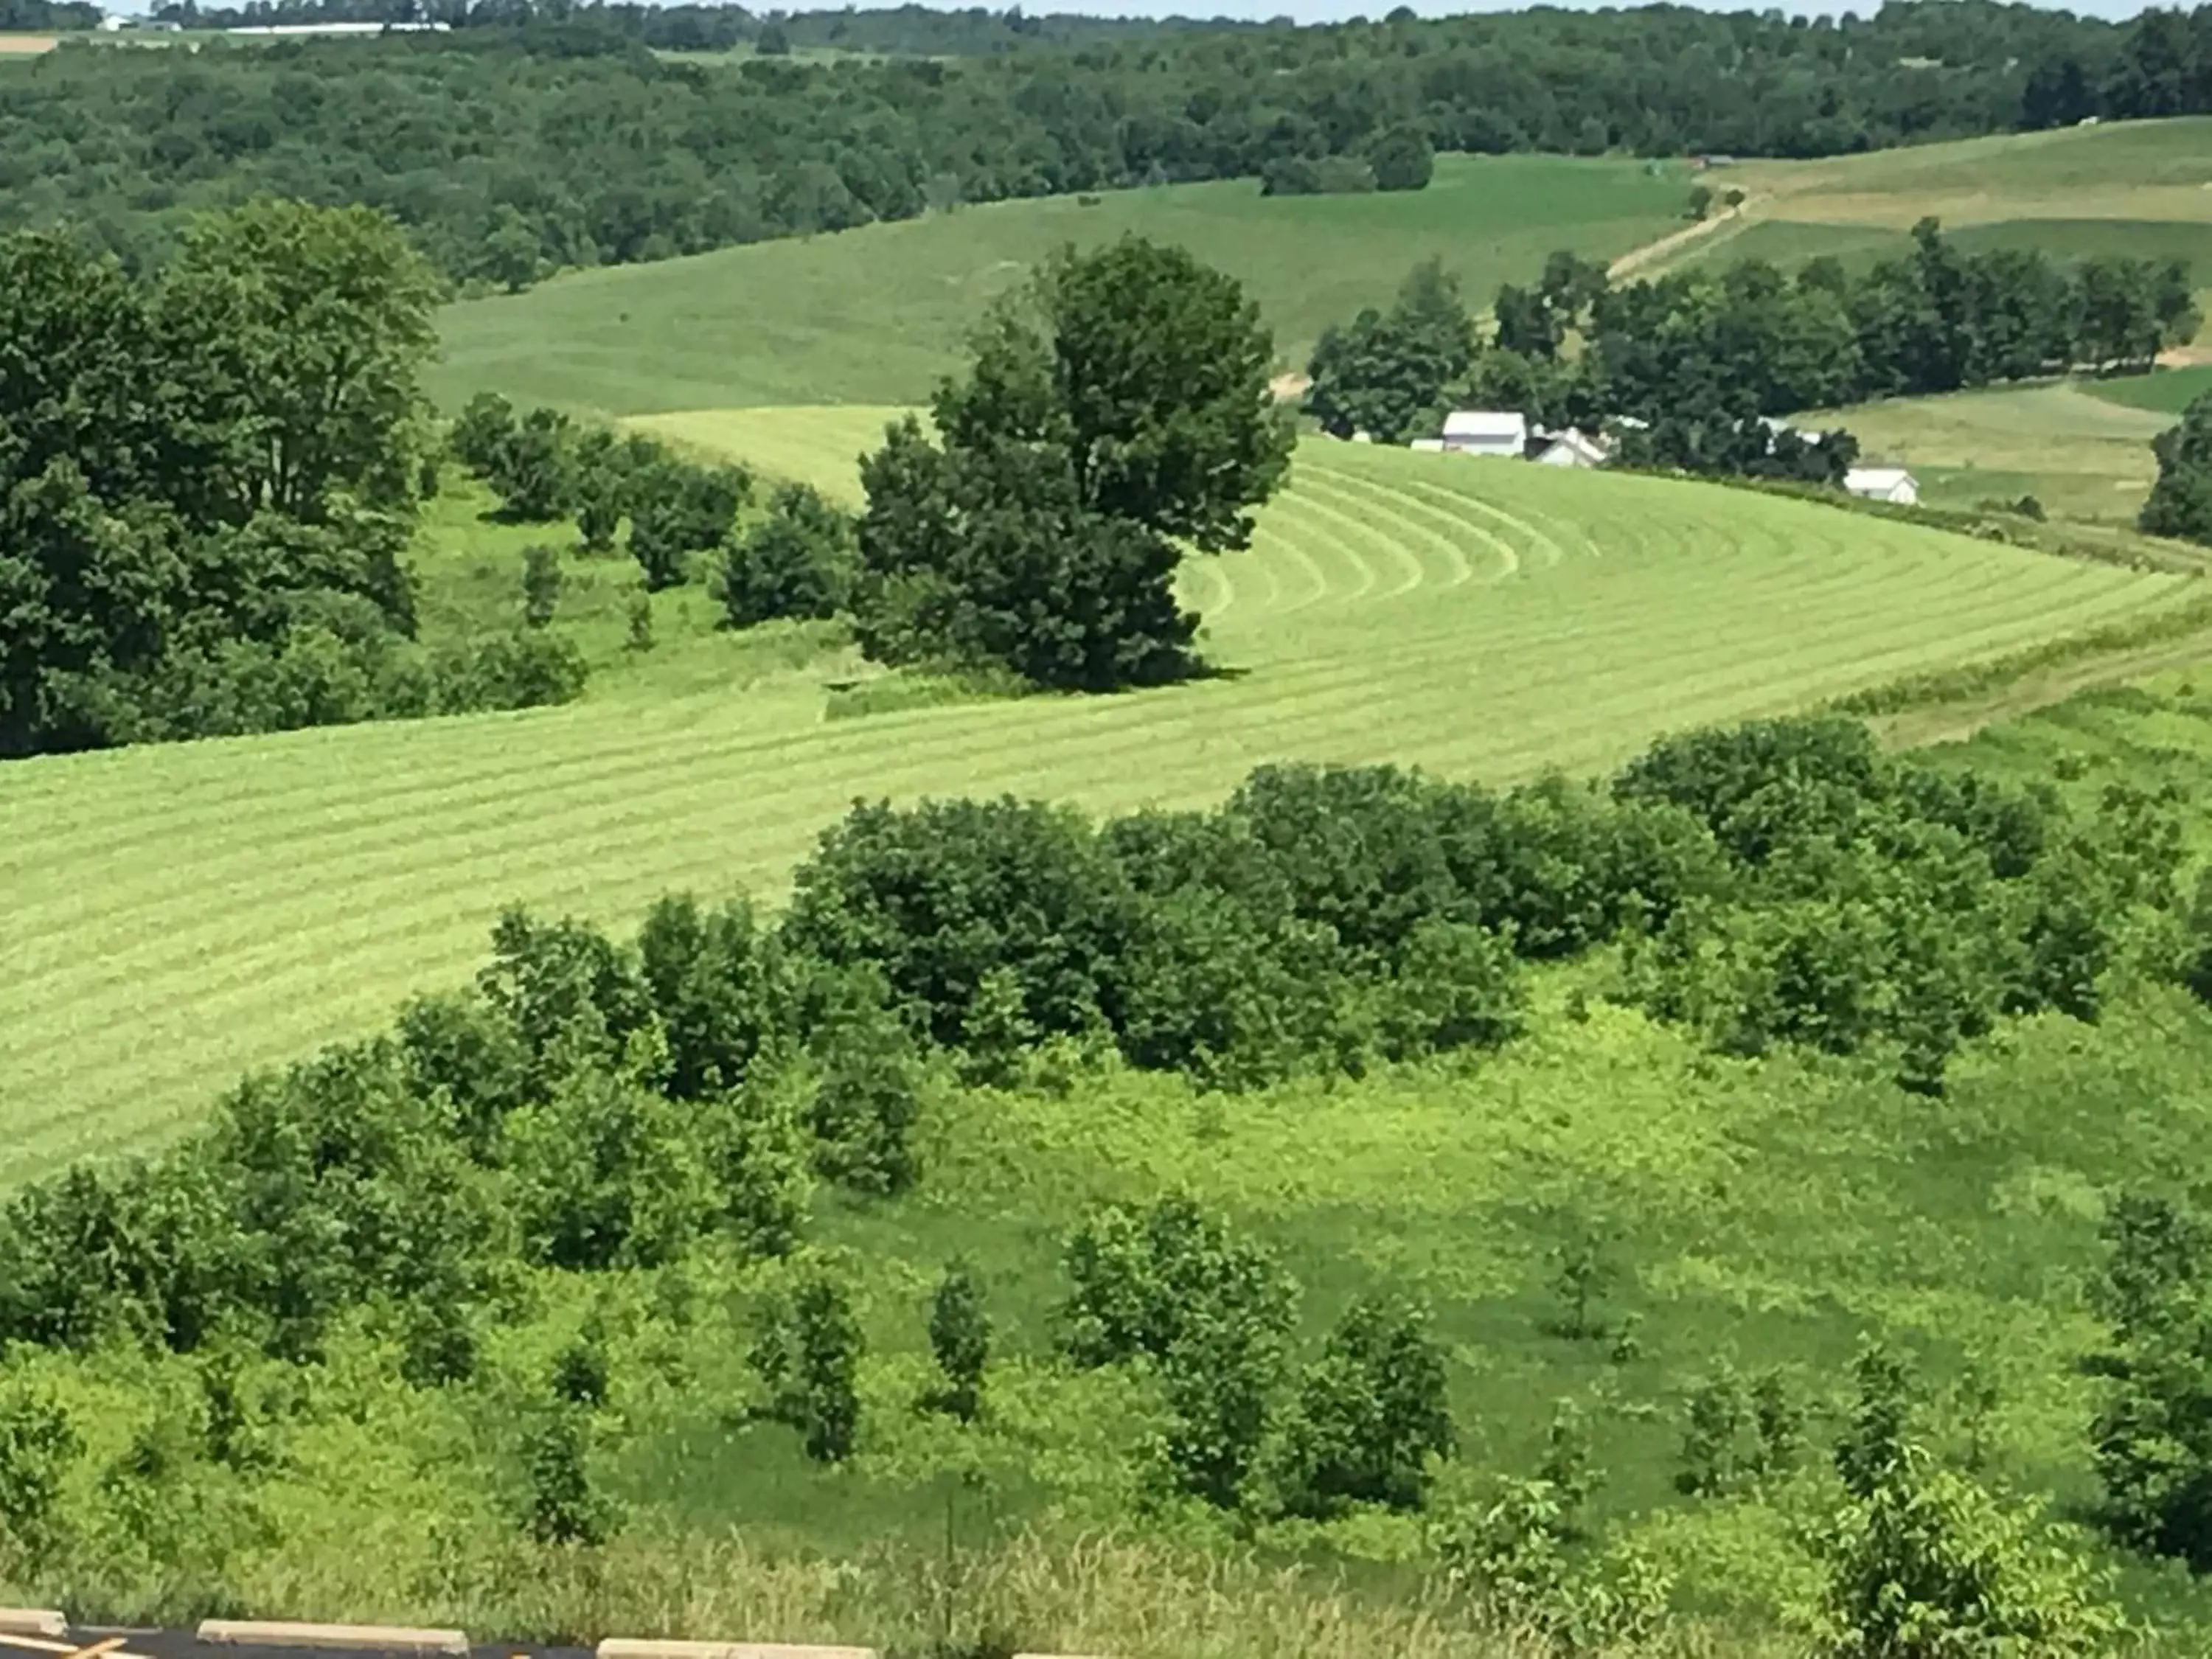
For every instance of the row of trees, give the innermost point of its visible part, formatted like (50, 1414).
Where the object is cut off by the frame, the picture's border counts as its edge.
(533, 143)
(208, 485)
(1687, 365)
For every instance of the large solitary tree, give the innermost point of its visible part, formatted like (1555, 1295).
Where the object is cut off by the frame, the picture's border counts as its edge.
(1117, 413)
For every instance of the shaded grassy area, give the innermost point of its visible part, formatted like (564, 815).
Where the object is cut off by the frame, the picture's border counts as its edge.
(873, 316)
(2167, 392)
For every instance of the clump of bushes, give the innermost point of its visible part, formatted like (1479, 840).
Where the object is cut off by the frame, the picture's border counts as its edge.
(544, 467)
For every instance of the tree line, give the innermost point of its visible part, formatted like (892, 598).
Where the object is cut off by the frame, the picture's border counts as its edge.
(527, 142)
(595, 1105)
(208, 485)
(1688, 368)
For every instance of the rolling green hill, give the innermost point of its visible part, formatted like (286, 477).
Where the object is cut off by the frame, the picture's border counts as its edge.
(874, 315)
(2141, 188)
(180, 913)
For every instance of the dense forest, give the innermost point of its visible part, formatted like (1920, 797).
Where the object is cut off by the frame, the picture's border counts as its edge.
(526, 142)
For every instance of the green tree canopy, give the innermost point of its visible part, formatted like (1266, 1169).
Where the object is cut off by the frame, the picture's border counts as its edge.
(1118, 409)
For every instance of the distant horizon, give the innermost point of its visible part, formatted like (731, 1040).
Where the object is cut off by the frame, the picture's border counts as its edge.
(1338, 11)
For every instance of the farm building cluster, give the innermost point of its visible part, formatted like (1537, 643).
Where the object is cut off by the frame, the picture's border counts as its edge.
(1506, 434)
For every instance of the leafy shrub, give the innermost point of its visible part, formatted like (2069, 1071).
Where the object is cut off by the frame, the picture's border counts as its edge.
(541, 585)
(865, 1096)
(807, 1355)
(678, 509)
(2153, 1432)
(1525, 1552)
(937, 895)
(1168, 1286)
(481, 431)
(606, 1176)
(1367, 1415)
(797, 561)
(960, 1342)
(566, 1505)
(717, 981)
(530, 468)
(37, 1443)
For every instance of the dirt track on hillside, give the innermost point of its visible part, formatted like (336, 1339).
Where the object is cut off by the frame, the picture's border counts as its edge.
(27, 43)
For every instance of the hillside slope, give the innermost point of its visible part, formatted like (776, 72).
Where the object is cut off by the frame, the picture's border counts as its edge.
(874, 315)
(179, 913)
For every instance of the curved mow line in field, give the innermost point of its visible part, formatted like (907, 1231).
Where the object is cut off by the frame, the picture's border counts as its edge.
(406, 809)
(1345, 574)
(1396, 507)
(1466, 508)
(1287, 541)
(1401, 506)
(1787, 577)
(1490, 510)
(1355, 535)
(463, 802)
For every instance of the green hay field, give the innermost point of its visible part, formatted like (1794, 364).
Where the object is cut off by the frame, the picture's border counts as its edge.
(875, 315)
(181, 913)
(2168, 392)
(2156, 172)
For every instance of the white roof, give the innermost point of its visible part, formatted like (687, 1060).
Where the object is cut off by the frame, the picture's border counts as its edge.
(1487, 423)
(1876, 477)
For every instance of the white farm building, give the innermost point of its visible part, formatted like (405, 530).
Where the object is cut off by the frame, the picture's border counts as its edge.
(1486, 432)
(1883, 483)
(1572, 447)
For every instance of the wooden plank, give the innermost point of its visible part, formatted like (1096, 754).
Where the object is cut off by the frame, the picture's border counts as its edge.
(375, 1639)
(624, 1647)
(33, 1621)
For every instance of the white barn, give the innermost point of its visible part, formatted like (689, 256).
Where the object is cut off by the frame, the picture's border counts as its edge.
(1486, 432)
(1883, 483)
(1572, 447)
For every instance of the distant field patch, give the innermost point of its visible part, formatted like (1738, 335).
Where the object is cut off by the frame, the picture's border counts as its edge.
(818, 446)
(875, 315)
(2167, 392)
(2153, 171)
(28, 44)
(2084, 456)
(175, 912)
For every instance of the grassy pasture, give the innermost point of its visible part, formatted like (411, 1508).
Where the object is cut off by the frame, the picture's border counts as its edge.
(2084, 456)
(2156, 171)
(2168, 392)
(182, 913)
(874, 315)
